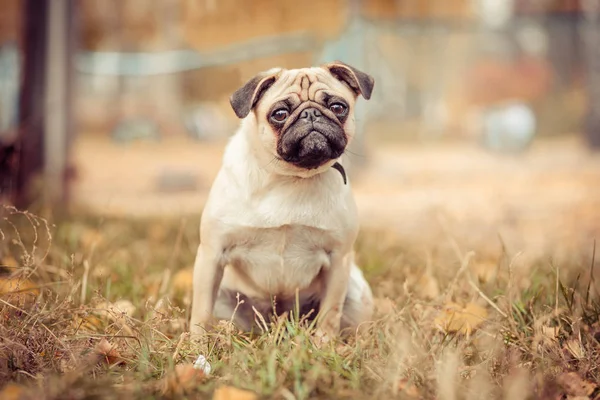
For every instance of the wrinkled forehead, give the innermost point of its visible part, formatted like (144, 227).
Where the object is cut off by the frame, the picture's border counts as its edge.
(308, 84)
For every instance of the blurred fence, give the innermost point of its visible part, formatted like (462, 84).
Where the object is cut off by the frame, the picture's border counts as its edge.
(434, 70)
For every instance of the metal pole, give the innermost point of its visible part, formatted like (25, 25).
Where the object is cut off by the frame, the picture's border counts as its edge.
(57, 100)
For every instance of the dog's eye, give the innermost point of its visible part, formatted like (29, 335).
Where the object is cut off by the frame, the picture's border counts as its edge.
(280, 115)
(338, 109)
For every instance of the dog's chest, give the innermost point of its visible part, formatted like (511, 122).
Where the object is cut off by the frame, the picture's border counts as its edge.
(277, 261)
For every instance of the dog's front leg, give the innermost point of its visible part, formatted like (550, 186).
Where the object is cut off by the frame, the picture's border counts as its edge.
(336, 277)
(208, 273)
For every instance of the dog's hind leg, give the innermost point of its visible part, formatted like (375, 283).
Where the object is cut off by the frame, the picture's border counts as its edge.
(358, 305)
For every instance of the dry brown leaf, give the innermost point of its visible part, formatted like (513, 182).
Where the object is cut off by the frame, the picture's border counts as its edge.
(550, 332)
(181, 380)
(384, 306)
(18, 291)
(574, 385)
(408, 388)
(108, 353)
(232, 393)
(454, 318)
(574, 347)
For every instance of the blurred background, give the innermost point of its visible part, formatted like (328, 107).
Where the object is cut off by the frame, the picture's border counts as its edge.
(484, 122)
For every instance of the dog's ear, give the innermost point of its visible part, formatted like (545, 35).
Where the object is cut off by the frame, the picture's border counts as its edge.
(358, 81)
(246, 97)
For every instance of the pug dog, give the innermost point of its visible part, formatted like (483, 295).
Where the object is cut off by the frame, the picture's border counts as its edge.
(279, 225)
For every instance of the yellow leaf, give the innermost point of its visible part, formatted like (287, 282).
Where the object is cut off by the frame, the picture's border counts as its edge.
(9, 262)
(12, 392)
(232, 393)
(88, 323)
(423, 285)
(428, 287)
(465, 320)
(18, 291)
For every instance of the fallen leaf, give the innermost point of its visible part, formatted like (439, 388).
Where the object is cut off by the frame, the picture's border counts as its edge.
(424, 285)
(9, 262)
(550, 332)
(87, 323)
(485, 271)
(408, 388)
(454, 318)
(384, 306)
(574, 347)
(108, 353)
(183, 378)
(232, 393)
(574, 385)
(18, 291)
(13, 392)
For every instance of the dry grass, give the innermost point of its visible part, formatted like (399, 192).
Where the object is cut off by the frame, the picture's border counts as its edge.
(96, 308)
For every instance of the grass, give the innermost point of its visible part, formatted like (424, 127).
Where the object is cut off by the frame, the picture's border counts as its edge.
(97, 308)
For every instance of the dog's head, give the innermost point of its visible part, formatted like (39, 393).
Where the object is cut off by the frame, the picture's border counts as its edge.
(303, 117)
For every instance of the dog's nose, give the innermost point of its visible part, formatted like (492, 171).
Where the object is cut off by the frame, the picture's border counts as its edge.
(311, 114)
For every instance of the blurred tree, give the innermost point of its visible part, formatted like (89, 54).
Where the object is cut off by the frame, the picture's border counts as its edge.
(44, 123)
(29, 145)
(10, 60)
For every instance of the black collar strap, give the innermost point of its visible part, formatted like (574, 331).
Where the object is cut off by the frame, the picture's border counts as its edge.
(341, 170)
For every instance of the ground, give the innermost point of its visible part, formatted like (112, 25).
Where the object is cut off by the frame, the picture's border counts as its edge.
(482, 265)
